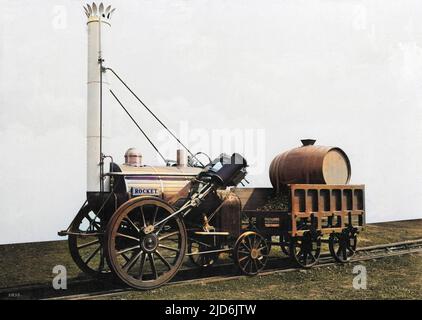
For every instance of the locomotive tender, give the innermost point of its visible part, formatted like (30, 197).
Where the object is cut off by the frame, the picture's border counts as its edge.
(140, 222)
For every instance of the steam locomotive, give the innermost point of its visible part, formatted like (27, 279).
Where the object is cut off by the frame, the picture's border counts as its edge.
(138, 222)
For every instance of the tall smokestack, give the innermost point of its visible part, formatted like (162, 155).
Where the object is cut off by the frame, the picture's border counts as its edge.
(98, 31)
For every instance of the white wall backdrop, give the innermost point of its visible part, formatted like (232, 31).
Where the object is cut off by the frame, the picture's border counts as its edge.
(348, 73)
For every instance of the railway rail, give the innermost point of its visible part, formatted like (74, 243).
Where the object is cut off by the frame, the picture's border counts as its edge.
(94, 289)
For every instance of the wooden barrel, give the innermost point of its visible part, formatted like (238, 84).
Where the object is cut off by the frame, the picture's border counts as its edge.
(310, 164)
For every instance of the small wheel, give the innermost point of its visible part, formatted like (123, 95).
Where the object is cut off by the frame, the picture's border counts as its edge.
(87, 250)
(251, 253)
(202, 260)
(142, 252)
(343, 245)
(285, 243)
(305, 250)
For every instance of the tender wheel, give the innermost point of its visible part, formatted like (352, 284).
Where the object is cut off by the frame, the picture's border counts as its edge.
(88, 251)
(251, 253)
(343, 245)
(305, 250)
(202, 260)
(141, 253)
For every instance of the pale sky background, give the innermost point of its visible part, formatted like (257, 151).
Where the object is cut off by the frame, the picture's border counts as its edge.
(347, 73)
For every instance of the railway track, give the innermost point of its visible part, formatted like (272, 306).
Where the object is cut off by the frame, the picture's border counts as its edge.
(222, 272)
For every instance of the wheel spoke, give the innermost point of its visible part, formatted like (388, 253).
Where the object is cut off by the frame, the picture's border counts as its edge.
(261, 248)
(244, 252)
(92, 255)
(92, 222)
(168, 248)
(141, 209)
(127, 249)
(244, 244)
(131, 262)
(119, 234)
(250, 267)
(89, 218)
(132, 224)
(163, 259)
(125, 257)
(88, 244)
(93, 227)
(155, 215)
(256, 266)
(305, 258)
(152, 263)
(141, 266)
(168, 235)
(249, 242)
(245, 257)
(246, 264)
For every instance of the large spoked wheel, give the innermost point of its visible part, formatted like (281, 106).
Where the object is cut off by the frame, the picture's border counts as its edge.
(202, 260)
(141, 255)
(251, 253)
(305, 250)
(343, 245)
(87, 248)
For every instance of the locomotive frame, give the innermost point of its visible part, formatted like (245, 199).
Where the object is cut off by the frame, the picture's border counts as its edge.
(312, 218)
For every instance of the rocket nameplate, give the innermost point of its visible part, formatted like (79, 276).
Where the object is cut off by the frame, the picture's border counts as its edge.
(135, 191)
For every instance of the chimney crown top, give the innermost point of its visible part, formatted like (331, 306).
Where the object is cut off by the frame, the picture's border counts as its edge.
(100, 12)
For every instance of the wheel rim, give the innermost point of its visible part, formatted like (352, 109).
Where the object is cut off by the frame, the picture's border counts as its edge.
(141, 256)
(343, 246)
(88, 251)
(306, 250)
(251, 253)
